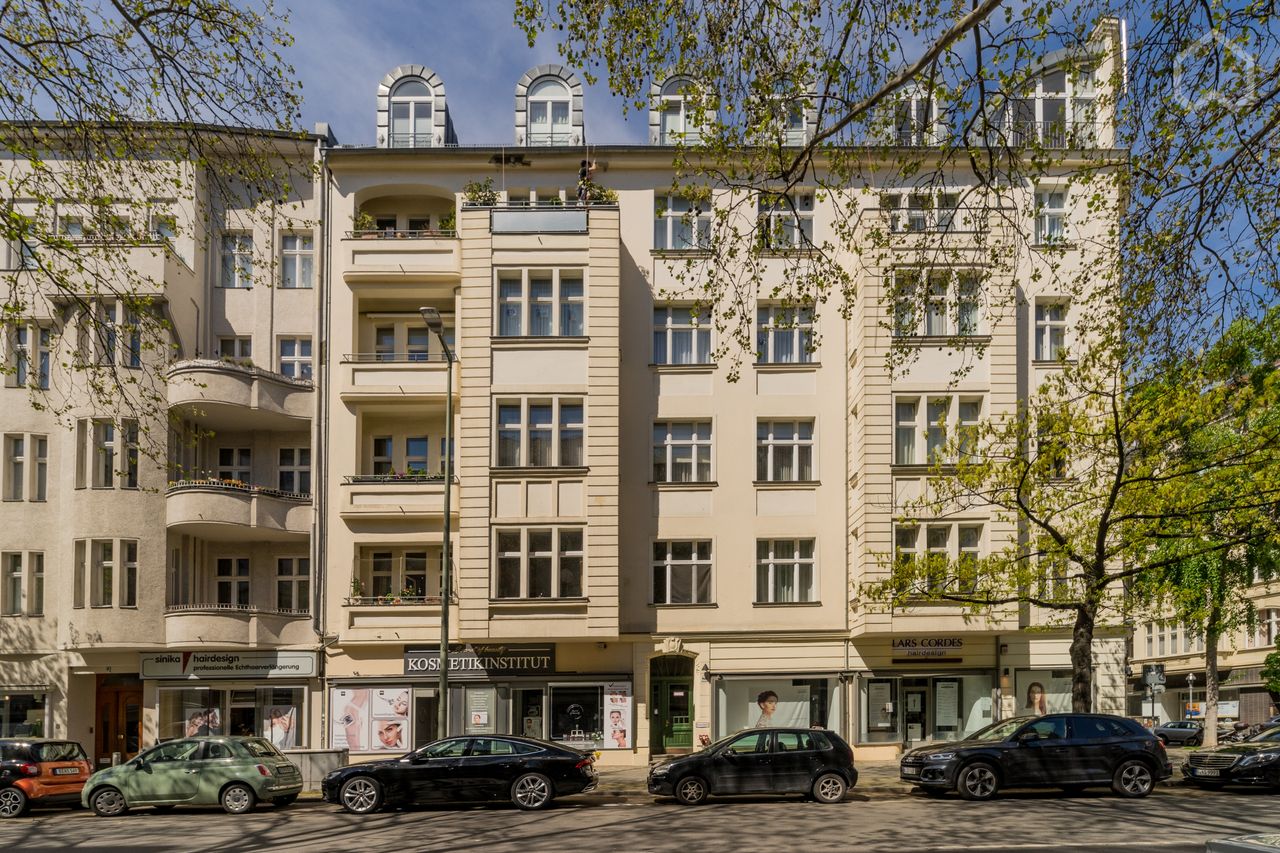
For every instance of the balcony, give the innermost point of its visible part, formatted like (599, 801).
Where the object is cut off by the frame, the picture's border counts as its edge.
(1045, 134)
(230, 396)
(378, 376)
(401, 256)
(551, 219)
(394, 496)
(228, 510)
(198, 625)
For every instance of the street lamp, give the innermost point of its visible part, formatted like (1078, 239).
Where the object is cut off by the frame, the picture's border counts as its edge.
(436, 326)
(1191, 688)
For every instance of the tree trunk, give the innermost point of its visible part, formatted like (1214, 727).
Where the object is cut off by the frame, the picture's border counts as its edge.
(1210, 688)
(1082, 659)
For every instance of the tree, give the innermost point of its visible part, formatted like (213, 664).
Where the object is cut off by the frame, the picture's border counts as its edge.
(1271, 674)
(125, 124)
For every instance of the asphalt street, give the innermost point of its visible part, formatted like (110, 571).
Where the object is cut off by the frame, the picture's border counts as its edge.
(901, 823)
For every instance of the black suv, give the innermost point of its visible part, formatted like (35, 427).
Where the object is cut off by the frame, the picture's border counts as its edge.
(816, 762)
(1068, 751)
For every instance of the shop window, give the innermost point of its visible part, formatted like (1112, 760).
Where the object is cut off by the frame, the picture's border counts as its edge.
(577, 716)
(22, 714)
(275, 713)
(779, 701)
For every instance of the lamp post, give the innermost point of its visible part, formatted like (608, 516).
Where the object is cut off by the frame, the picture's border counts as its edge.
(436, 326)
(1191, 689)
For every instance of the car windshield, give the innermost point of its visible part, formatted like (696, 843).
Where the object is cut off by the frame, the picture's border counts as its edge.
(1002, 730)
(177, 750)
(1271, 735)
(444, 748)
(60, 751)
(260, 748)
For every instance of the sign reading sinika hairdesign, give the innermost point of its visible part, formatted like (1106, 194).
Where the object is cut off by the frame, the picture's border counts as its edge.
(228, 665)
(483, 661)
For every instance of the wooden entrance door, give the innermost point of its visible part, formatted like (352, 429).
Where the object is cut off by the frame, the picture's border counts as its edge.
(671, 700)
(118, 722)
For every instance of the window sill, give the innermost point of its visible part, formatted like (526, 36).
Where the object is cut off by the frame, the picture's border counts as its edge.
(923, 469)
(517, 471)
(797, 252)
(708, 367)
(1055, 246)
(942, 340)
(677, 487)
(539, 341)
(699, 605)
(1052, 362)
(549, 607)
(786, 604)
(681, 253)
(786, 366)
(776, 485)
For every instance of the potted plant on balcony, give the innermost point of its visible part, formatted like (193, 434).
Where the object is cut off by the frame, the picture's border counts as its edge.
(449, 222)
(479, 193)
(364, 226)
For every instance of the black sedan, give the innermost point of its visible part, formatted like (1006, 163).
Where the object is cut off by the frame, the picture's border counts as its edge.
(1255, 761)
(1068, 751)
(816, 762)
(530, 773)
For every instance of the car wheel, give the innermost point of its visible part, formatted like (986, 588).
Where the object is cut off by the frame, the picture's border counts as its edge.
(978, 781)
(1133, 779)
(531, 792)
(281, 802)
(13, 803)
(692, 790)
(238, 799)
(361, 795)
(108, 802)
(828, 788)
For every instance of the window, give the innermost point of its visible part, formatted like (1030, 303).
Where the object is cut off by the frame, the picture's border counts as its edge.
(918, 212)
(1051, 331)
(680, 224)
(1052, 454)
(906, 319)
(295, 470)
(237, 261)
(164, 226)
(969, 429)
(905, 429)
(1058, 111)
(235, 463)
(548, 105)
(682, 572)
(1051, 216)
(416, 448)
(104, 454)
(682, 452)
(11, 591)
(540, 303)
(952, 305)
(786, 115)
(233, 582)
(129, 430)
(29, 356)
(949, 559)
(129, 581)
(102, 580)
(944, 416)
(293, 584)
(412, 102)
(784, 571)
(784, 451)
(786, 221)
(418, 343)
(35, 601)
(235, 348)
(132, 327)
(78, 575)
(295, 358)
(382, 461)
(680, 336)
(415, 573)
(15, 452)
(784, 335)
(296, 261)
(539, 563)
(915, 119)
(539, 433)
(673, 114)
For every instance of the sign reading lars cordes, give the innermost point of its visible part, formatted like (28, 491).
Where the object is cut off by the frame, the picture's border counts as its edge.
(228, 665)
(481, 661)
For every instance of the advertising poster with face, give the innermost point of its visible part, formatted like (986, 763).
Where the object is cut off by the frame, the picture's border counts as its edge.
(617, 715)
(203, 721)
(279, 725)
(390, 719)
(1043, 691)
(349, 708)
(767, 702)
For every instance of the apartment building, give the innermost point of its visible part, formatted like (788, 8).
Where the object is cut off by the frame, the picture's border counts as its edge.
(646, 554)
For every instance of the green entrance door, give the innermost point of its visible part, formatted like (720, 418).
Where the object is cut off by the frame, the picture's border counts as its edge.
(671, 680)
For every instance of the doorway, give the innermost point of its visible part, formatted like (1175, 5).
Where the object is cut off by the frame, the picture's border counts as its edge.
(426, 717)
(118, 726)
(671, 701)
(915, 716)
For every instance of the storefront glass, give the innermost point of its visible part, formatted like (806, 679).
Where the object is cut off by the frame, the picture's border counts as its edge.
(22, 714)
(370, 719)
(577, 717)
(1043, 691)
(913, 709)
(777, 701)
(276, 713)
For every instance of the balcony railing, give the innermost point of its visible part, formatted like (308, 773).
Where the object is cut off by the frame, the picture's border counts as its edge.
(412, 140)
(245, 367)
(391, 600)
(236, 608)
(237, 486)
(396, 477)
(1049, 134)
(402, 234)
(395, 358)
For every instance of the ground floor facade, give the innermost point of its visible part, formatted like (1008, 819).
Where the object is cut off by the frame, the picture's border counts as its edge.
(1242, 697)
(630, 698)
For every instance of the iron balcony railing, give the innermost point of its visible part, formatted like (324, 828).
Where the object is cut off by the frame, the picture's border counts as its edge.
(395, 357)
(248, 609)
(402, 233)
(237, 486)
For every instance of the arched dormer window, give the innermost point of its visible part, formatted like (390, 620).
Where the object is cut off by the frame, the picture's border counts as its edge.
(412, 103)
(673, 113)
(549, 107)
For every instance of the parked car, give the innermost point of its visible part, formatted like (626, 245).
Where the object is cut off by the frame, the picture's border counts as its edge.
(35, 773)
(761, 761)
(234, 772)
(1255, 761)
(1068, 751)
(1185, 732)
(531, 773)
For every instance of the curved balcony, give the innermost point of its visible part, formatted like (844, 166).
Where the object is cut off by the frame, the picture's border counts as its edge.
(226, 395)
(408, 257)
(198, 625)
(230, 510)
(394, 496)
(402, 376)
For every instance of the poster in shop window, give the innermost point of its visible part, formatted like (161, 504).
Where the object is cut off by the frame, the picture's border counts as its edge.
(349, 709)
(280, 726)
(617, 713)
(946, 704)
(390, 719)
(1043, 691)
(879, 705)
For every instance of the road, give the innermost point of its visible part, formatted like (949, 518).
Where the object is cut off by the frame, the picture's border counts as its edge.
(895, 823)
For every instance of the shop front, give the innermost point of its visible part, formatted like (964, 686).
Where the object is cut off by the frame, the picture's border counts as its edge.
(514, 689)
(801, 700)
(232, 693)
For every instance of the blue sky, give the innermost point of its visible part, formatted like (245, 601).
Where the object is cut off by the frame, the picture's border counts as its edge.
(343, 49)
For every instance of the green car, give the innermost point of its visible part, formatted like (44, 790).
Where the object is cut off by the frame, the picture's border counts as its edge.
(233, 772)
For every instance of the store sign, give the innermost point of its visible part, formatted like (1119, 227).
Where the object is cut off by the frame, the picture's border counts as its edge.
(191, 665)
(483, 661)
(928, 647)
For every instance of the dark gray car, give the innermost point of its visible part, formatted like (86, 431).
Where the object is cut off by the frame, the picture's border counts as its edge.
(1180, 732)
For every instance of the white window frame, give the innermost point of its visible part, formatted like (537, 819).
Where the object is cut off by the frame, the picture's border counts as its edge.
(235, 271)
(30, 346)
(1051, 342)
(293, 584)
(128, 572)
(777, 322)
(295, 366)
(678, 220)
(104, 439)
(1051, 215)
(35, 583)
(230, 577)
(557, 553)
(15, 466)
(673, 100)
(952, 304)
(545, 102)
(700, 444)
(669, 323)
(783, 228)
(102, 572)
(961, 538)
(666, 568)
(770, 565)
(560, 427)
(926, 435)
(297, 261)
(414, 105)
(562, 302)
(12, 584)
(776, 437)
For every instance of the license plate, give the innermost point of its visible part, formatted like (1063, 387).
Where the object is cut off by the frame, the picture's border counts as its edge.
(1205, 771)
(910, 771)
(65, 771)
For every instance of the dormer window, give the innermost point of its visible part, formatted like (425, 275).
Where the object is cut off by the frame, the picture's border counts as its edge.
(788, 115)
(411, 108)
(915, 120)
(1058, 110)
(549, 104)
(673, 115)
